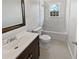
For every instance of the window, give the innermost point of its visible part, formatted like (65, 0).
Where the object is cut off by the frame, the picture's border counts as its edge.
(54, 10)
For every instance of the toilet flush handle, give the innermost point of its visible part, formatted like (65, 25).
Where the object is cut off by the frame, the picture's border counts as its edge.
(75, 43)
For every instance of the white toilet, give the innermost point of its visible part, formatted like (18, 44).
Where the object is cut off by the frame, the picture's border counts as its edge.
(44, 39)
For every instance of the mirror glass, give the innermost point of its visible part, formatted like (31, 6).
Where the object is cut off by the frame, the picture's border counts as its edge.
(12, 13)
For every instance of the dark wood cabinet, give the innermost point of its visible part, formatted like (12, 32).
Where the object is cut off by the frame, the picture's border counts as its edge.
(32, 51)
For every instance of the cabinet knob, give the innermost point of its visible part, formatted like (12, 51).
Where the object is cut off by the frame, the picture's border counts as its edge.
(31, 55)
(29, 58)
(75, 43)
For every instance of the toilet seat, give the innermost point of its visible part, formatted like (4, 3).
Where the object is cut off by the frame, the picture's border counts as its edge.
(45, 37)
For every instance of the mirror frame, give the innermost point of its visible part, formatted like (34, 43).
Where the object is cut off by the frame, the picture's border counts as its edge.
(18, 25)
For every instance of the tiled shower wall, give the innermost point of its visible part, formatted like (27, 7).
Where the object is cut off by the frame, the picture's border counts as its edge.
(55, 23)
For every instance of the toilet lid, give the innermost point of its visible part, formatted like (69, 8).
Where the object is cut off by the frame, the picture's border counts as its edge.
(45, 37)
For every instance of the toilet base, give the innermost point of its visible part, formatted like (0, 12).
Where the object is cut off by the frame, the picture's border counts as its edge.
(44, 45)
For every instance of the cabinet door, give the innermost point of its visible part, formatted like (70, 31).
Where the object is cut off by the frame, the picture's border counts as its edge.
(21, 56)
(35, 51)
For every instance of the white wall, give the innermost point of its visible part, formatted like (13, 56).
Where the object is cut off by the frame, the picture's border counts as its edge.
(41, 13)
(71, 16)
(32, 14)
(51, 23)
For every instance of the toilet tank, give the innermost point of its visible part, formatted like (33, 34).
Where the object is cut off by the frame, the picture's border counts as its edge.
(37, 30)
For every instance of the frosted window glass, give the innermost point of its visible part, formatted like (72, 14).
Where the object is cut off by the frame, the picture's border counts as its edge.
(54, 10)
(54, 7)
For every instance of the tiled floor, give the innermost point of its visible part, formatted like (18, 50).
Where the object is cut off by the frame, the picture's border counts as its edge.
(57, 50)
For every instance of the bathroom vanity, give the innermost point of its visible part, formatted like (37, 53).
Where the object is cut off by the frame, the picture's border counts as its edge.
(32, 51)
(25, 47)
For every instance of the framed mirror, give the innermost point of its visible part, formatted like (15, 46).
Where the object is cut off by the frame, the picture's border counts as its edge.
(13, 14)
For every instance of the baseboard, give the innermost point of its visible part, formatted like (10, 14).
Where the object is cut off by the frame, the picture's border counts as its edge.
(70, 50)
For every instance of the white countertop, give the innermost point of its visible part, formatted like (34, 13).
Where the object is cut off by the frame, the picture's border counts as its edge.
(23, 40)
